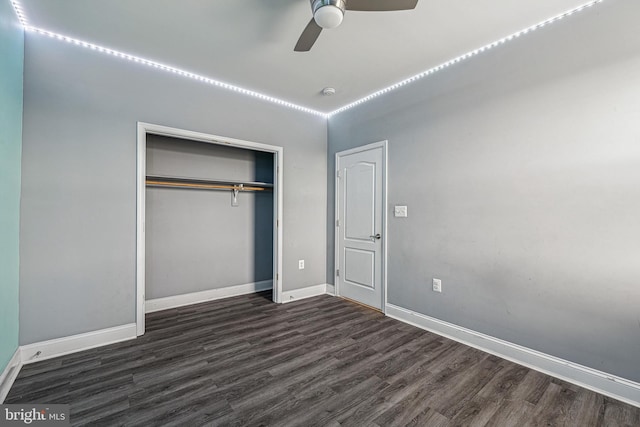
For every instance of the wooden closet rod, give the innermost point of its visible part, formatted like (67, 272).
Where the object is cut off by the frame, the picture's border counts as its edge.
(239, 187)
(205, 184)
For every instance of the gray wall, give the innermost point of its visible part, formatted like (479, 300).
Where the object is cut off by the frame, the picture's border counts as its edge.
(195, 239)
(521, 171)
(12, 54)
(78, 180)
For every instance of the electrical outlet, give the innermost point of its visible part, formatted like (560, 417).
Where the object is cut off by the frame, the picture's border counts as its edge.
(437, 285)
(300, 264)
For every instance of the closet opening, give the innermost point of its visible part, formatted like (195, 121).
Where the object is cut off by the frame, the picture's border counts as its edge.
(209, 219)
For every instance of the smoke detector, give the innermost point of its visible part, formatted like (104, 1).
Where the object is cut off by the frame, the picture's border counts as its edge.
(328, 91)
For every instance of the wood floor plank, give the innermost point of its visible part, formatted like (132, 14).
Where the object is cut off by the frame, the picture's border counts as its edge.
(514, 414)
(371, 408)
(554, 406)
(323, 361)
(479, 410)
(618, 414)
(454, 399)
(584, 404)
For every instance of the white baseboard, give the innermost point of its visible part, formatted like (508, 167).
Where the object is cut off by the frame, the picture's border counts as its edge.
(59, 347)
(165, 303)
(302, 293)
(610, 385)
(9, 374)
(331, 290)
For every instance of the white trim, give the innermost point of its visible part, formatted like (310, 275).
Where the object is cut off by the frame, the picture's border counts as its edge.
(385, 150)
(331, 290)
(278, 207)
(601, 382)
(59, 347)
(174, 301)
(336, 231)
(302, 293)
(9, 374)
(141, 172)
(385, 208)
(278, 225)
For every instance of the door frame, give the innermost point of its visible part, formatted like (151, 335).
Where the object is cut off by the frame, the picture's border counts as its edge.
(380, 144)
(141, 172)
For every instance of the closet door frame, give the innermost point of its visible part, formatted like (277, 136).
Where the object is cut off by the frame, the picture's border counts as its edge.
(145, 129)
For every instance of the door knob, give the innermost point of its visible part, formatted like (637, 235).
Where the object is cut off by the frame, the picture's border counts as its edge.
(376, 237)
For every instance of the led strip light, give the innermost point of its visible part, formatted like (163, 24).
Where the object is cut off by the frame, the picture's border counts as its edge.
(174, 70)
(23, 20)
(21, 16)
(464, 56)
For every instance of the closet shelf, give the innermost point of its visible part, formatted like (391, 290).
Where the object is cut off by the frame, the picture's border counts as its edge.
(205, 184)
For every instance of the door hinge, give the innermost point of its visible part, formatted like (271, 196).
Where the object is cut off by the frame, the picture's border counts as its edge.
(337, 223)
(277, 223)
(338, 273)
(338, 174)
(277, 277)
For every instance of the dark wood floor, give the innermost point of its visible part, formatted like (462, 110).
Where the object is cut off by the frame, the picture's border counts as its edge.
(322, 361)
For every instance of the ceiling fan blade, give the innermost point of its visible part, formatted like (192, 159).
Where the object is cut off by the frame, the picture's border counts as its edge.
(308, 37)
(381, 5)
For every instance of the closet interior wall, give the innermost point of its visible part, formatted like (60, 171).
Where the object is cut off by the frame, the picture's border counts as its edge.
(195, 239)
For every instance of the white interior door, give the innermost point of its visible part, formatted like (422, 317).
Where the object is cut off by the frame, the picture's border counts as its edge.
(360, 224)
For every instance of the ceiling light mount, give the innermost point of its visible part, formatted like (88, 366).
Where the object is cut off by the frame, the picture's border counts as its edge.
(328, 13)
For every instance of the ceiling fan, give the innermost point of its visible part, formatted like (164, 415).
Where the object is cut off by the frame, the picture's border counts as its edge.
(329, 14)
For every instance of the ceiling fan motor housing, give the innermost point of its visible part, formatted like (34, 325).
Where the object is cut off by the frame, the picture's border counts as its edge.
(328, 13)
(317, 4)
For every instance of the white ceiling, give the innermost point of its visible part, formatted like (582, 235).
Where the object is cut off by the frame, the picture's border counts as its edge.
(249, 43)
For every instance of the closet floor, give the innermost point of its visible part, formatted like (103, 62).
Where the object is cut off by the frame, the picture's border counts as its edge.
(321, 361)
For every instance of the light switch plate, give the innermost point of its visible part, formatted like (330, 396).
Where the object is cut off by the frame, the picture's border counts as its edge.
(400, 211)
